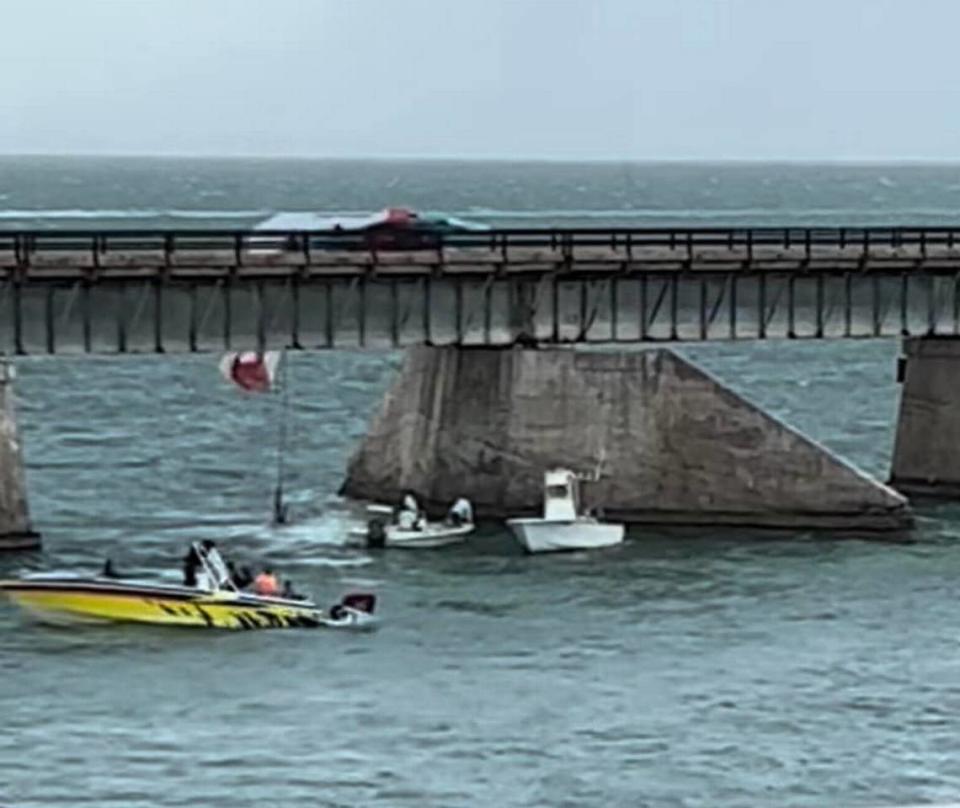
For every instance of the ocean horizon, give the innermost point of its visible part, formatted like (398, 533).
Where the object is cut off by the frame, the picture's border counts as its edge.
(90, 191)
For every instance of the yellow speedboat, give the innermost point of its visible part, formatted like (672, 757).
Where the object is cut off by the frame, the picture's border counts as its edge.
(216, 603)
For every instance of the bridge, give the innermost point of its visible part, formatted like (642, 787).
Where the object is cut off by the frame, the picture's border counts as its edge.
(157, 291)
(128, 291)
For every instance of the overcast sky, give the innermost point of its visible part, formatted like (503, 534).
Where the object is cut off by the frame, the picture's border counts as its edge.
(557, 79)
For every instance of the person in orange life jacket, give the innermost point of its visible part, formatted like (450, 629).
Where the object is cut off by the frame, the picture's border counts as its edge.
(266, 583)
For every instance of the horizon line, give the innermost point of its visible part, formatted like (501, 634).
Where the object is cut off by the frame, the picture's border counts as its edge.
(414, 158)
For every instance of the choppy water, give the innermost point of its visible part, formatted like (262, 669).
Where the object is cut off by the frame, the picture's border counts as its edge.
(697, 668)
(141, 192)
(692, 669)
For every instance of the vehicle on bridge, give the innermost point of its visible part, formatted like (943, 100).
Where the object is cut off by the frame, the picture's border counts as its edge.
(390, 229)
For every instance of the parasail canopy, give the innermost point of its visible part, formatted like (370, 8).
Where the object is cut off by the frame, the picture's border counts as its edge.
(252, 371)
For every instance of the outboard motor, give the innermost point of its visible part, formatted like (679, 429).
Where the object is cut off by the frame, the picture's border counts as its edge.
(376, 533)
(363, 602)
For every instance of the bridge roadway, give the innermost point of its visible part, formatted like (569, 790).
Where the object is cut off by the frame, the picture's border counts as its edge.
(163, 291)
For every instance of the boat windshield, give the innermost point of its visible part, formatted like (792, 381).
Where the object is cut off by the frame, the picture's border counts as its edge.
(558, 491)
(214, 566)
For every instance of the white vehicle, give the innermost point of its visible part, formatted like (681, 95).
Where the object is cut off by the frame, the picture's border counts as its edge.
(410, 529)
(563, 526)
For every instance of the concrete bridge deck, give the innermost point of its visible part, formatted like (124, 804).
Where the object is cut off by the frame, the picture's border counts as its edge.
(127, 291)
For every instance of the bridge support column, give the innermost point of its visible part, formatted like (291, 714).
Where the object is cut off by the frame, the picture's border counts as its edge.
(926, 454)
(15, 530)
(523, 305)
(676, 445)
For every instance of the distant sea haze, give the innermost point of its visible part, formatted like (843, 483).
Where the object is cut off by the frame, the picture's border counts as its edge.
(69, 192)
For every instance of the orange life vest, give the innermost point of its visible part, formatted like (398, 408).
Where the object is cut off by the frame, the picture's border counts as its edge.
(265, 584)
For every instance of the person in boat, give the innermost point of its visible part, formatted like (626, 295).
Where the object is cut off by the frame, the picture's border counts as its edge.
(410, 516)
(241, 577)
(409, 503)
(266, 583)
(460, 513)
(191, 563)
(289, 593)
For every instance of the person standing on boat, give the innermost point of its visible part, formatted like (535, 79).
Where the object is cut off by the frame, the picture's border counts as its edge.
(191, 563)
(409, 503)
(460, 513)
(409, 516)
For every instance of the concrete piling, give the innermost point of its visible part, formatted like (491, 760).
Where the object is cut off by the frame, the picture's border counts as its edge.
(926, 455)
(16, 532)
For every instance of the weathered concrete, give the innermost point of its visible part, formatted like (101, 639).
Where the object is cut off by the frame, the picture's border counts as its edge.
(16, 532)
(679, 447)
(926, 455)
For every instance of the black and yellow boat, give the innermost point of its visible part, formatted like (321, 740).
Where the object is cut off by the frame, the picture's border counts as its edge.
(216, 603)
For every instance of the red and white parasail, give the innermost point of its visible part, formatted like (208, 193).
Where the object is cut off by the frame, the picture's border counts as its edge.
(252, 371)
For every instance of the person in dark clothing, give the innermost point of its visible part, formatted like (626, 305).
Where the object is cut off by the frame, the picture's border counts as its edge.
(191, 563)
(241, 577)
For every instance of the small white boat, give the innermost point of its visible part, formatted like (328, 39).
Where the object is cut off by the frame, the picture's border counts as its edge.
(563, 526)
(382, 531)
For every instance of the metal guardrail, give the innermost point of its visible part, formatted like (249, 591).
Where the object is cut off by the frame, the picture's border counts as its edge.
(27, 242)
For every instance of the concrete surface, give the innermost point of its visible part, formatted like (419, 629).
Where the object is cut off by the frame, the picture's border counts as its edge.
(679, 446)
(16, 532)
(926, 454)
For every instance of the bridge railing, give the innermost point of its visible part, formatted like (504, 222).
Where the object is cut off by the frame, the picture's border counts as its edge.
(195, 239)
(422, 250)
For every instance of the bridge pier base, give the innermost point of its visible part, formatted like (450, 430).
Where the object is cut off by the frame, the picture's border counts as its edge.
(16, 532)
(926, 455)
(676, 445)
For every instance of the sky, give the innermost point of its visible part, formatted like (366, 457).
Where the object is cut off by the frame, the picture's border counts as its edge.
(508, 79)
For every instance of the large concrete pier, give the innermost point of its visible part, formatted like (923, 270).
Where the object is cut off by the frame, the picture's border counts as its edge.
(678, 447)
(16, 532)
(926, 457)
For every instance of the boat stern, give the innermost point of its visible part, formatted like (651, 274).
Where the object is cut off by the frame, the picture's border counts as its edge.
(354, 611)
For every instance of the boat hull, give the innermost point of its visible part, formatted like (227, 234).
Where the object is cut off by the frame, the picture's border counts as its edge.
(103, 601)
(430, 537)
(545, 536)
